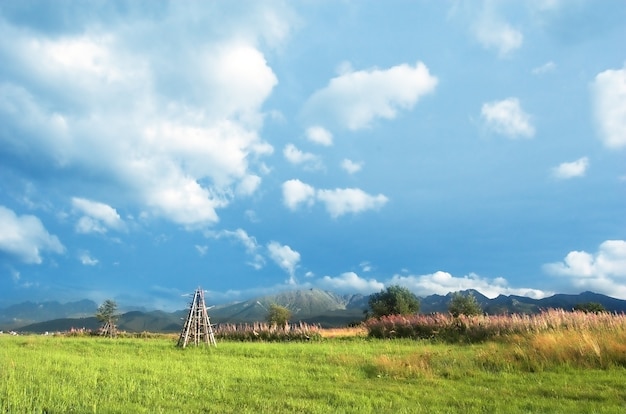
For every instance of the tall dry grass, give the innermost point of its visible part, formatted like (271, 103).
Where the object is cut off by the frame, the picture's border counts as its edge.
(265, 332)
(481, 328)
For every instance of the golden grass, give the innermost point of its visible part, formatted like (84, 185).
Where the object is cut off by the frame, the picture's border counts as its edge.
(358, 331)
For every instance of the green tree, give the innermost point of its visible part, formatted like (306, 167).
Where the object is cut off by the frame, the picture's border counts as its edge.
(107, 314)
(395, 300)
(278, 315)
(464, 305)
(590, 307)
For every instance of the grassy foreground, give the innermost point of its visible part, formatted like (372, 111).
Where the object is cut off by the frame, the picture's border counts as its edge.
(82, 374)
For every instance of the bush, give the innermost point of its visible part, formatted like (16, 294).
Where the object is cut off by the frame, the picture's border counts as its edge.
(395, 300)
(464, 305)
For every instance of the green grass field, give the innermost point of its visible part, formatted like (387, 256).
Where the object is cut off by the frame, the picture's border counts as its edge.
(355, 375)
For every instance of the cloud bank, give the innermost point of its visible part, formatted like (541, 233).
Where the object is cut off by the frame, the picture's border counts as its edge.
(602, 272)
(177, 141)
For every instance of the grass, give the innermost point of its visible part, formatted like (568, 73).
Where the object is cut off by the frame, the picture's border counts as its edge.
(339, 375)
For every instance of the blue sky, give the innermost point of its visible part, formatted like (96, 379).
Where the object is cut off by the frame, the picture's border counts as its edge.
(150, 147)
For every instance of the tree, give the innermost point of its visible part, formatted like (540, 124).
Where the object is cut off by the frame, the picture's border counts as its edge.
(395, 300)
(464, 305)
(590, 307)
(278, 315)
(107, 314)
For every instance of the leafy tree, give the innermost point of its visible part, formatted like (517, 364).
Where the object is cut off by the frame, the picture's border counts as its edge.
(278, 315)
(107, 314)
(590, 307)
(395, 300)
(464, 305)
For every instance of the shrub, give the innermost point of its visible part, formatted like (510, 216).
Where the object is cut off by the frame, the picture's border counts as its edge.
(464, 305)
(395, 300)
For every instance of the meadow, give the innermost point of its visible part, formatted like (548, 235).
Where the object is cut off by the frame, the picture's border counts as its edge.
(553, 370)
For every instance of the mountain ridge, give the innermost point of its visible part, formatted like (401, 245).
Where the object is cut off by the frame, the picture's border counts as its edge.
(316, 306)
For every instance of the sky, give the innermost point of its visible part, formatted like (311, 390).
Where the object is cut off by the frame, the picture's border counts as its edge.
(148, 148)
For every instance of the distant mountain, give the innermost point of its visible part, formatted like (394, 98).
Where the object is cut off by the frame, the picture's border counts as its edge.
(135, 321)
(29, 312)
(312, 306)
(305, 305)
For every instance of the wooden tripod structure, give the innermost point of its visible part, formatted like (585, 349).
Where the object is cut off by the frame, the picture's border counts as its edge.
(197, 328)
(109, 329)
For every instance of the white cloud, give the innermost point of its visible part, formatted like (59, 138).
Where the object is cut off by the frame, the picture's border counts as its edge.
(249, 242)
(366, 266)
(98, 217)
(25, 237)
(571, 169)
(86, 259)
(356, 99)
(351, 282)
(493, 33)
(349, 200)
(506, 117)
(338, 202)
(319, 135)
(193, 144)
(442, 283)
(545, 68)
(602, 272)
(295, 156)
(295, 192)
(488, 25)
(202, 249)
(609, 103)
(248, 185)
(286, 258)
(350, 166)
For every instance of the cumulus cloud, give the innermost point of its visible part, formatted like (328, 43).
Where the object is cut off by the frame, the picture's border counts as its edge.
(188, 152)
(97, 217)
(351, 282)
(338, 202)
(609, 104)
(350, 166)
(295, 192)
(442, 283)
(286, 258)
(507, 118)
(297, 157)
(356, 99)
(319, 135)
(602, 272)
(341, 201)
(572, 169)
(25, 237)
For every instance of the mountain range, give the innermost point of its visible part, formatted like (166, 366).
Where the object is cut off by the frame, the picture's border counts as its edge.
(312, 306)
